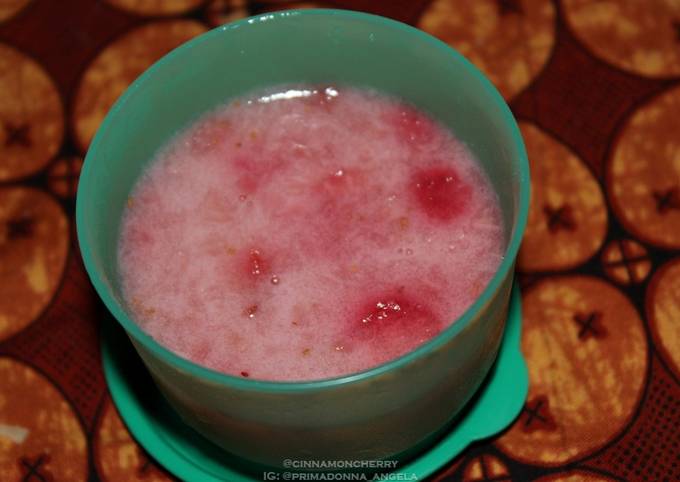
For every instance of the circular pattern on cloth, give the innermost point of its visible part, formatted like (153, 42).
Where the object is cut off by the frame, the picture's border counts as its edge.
(156, 7)
(34, 238)
(118, 456)
(40, 440)
(120, 63)
(567, 219)
(626, 261)
(663, 312)
(586, 351)
(31, 115)
(509, 40)
(643, 175)
(485, 467)
(63, 174)
(640, 37)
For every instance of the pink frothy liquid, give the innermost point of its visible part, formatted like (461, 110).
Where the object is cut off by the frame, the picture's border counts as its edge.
(307, 233)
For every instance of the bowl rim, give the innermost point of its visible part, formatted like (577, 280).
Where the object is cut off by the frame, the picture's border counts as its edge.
(85, 191)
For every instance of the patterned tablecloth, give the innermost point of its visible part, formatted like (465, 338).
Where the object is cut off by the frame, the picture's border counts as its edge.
(596, 88)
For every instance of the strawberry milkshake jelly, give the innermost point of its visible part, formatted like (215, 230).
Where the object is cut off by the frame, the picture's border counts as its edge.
(307, 232)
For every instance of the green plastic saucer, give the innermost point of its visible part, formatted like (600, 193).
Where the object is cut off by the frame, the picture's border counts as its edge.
(190, 457)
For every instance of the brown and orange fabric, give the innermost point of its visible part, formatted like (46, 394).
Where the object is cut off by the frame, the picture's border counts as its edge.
(595, 86)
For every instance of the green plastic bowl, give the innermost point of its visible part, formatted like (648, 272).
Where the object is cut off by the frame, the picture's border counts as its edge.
(390, 411)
